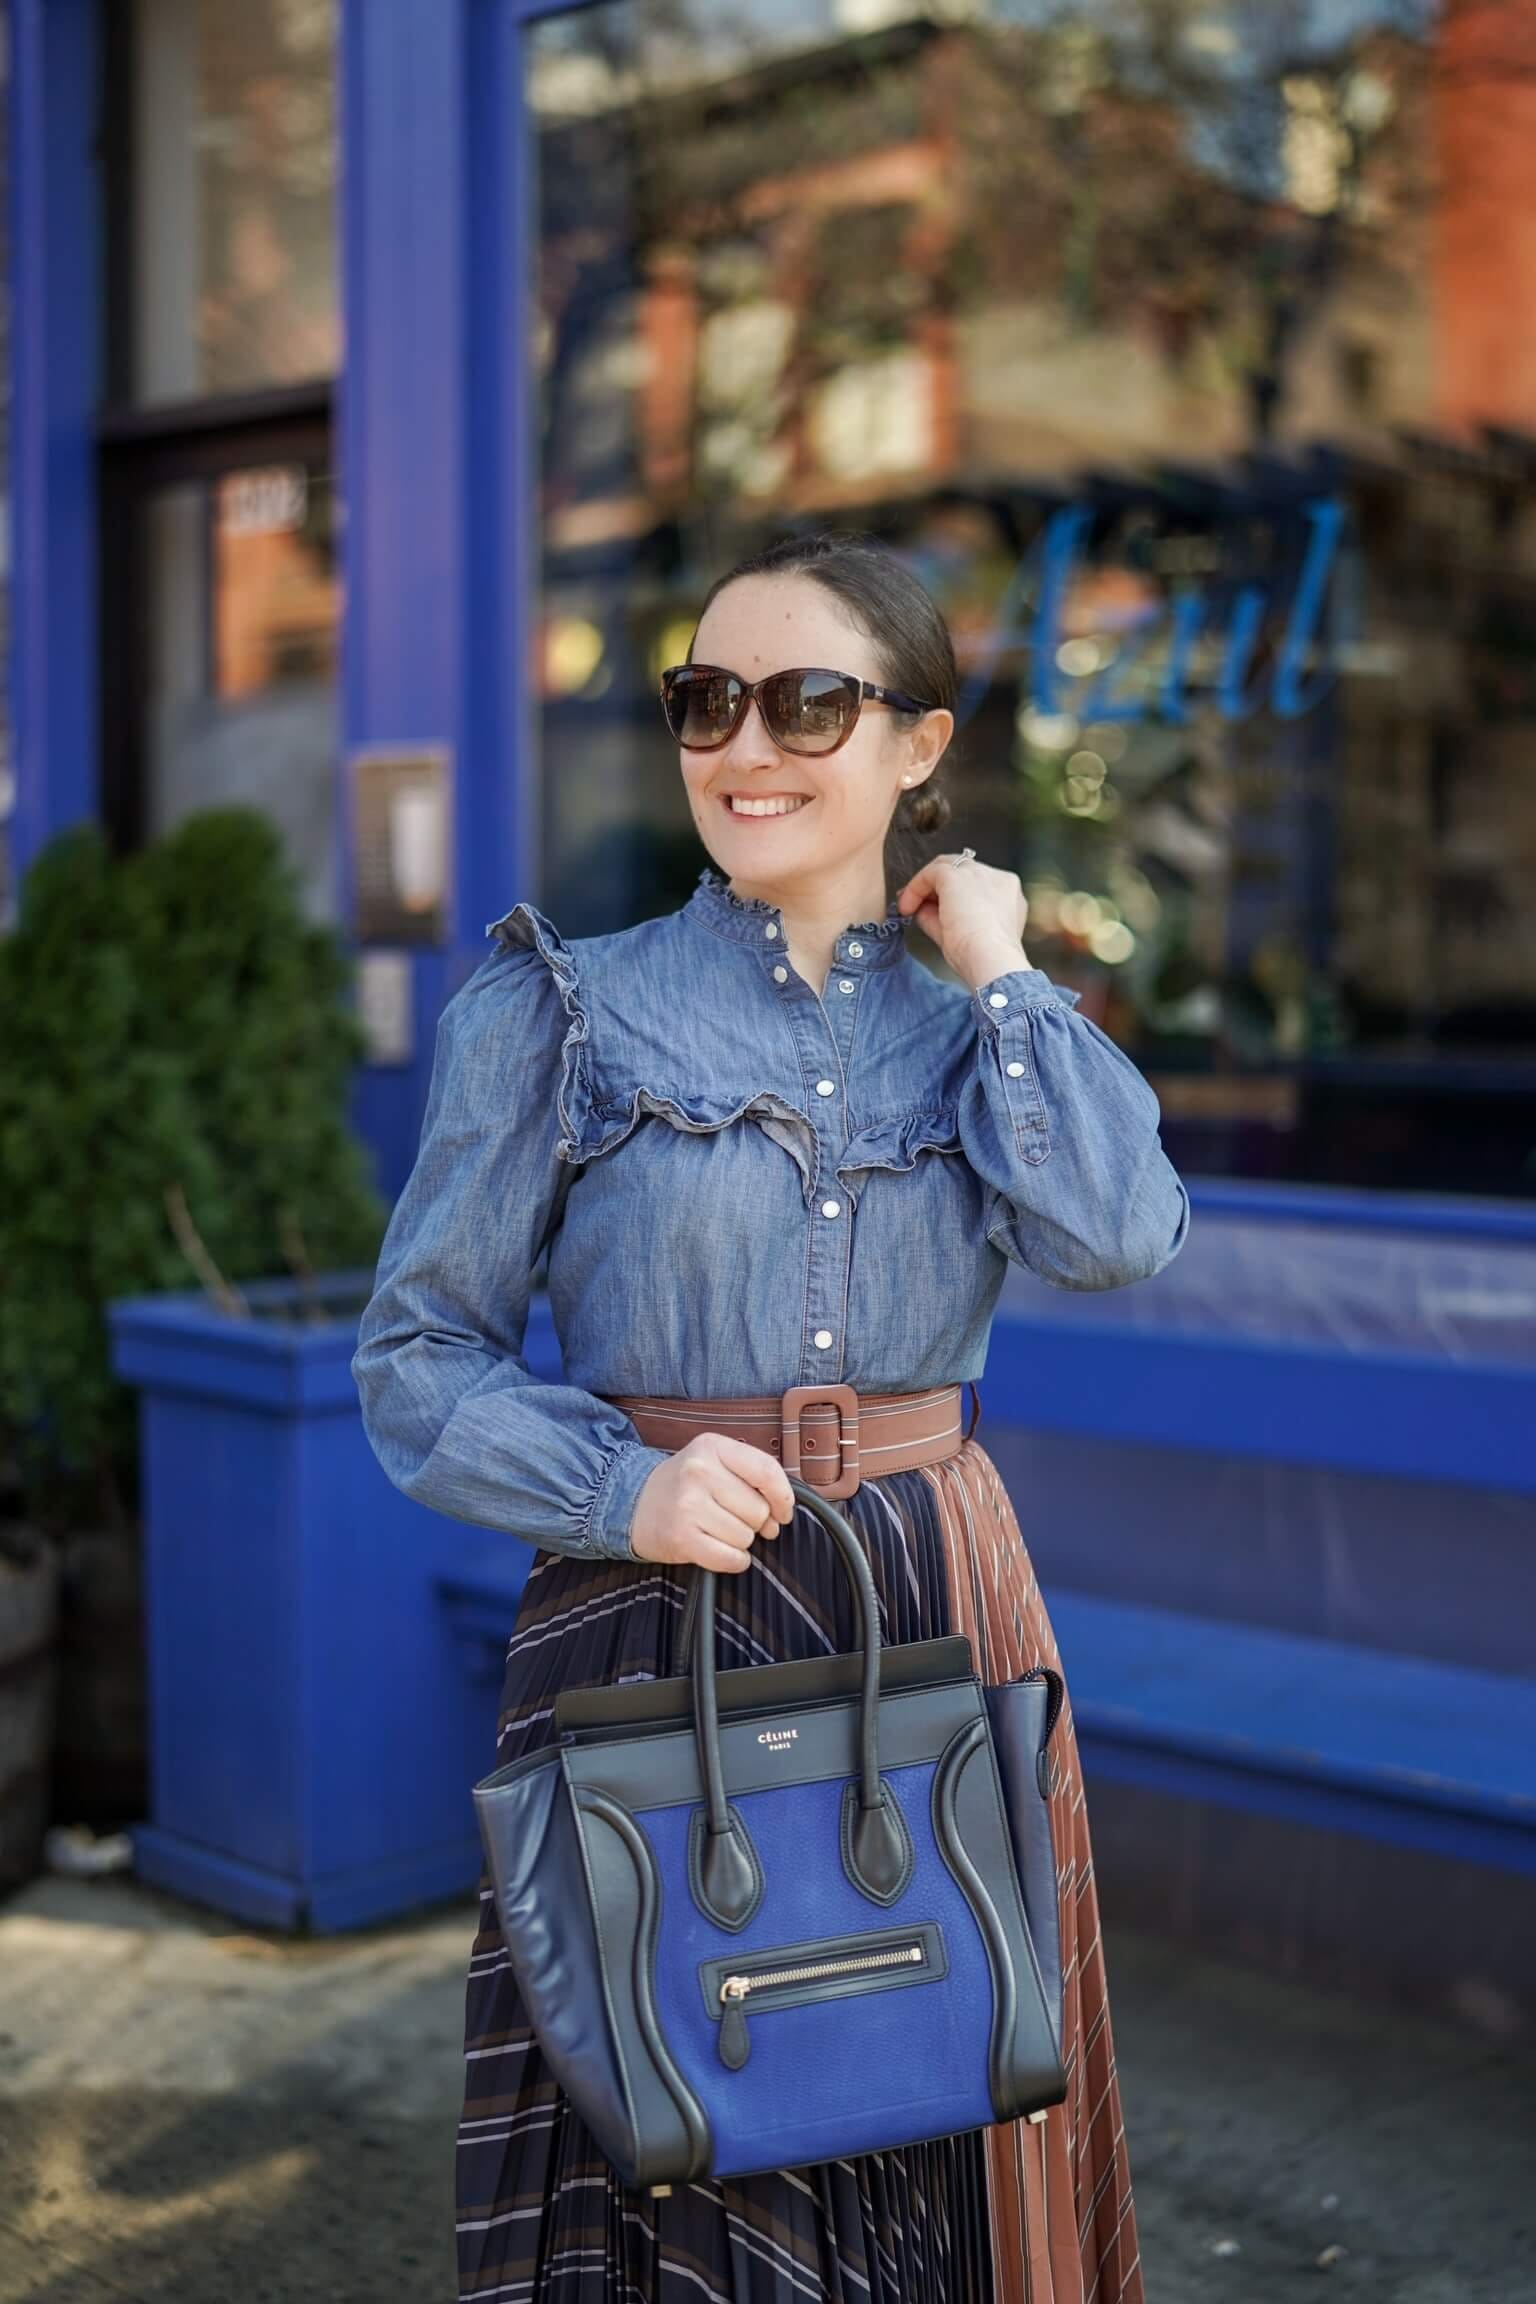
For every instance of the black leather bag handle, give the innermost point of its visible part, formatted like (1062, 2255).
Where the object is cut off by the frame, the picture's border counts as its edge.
(879, 1855)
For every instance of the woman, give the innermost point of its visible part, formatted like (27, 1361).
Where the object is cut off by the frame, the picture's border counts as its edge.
(766, 1148)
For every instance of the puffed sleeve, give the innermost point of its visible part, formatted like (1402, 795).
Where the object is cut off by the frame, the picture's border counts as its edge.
(1063, 1129)
(451, 1409)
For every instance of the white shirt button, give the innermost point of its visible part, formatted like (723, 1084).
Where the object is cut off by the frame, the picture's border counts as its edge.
(826, 1087)
(855, 951)
(846, 985)
(781, 975)
(997, 999)
(1014, 1070)
(823, 1339)
(771, 930)
(829, 1207)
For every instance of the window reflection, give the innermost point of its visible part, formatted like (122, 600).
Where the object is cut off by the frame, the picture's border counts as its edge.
(234, 175)
(1189, 352)
(240, 678)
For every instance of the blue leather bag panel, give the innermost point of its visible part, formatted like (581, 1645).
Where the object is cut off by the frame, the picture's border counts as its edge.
(825, 2077)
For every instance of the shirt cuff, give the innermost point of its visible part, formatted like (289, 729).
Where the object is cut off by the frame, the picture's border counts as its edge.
(1000, 998)
(613, 1507)
(1006, 1008)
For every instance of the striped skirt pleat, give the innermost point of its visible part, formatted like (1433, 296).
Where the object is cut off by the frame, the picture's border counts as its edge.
(1019, 2213)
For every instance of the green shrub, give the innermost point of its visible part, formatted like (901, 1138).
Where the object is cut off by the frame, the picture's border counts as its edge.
(176, 1051)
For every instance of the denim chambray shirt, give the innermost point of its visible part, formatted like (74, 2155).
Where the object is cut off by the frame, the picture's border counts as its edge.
(743, 1183)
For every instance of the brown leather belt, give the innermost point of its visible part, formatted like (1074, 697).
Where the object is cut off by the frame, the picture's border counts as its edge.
(827, 1435)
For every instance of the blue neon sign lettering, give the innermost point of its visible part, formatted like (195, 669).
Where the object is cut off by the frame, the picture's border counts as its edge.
(1054, 558)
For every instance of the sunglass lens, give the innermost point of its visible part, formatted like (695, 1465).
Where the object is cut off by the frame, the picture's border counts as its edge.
(701, 705)
(810, 711)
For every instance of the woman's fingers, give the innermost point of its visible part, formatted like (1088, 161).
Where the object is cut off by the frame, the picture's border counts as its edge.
(709, 1502)
(725, 1559)
(751, 1481)
(737, 1511)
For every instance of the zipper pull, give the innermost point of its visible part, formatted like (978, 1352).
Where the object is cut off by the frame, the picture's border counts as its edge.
(734, 2044)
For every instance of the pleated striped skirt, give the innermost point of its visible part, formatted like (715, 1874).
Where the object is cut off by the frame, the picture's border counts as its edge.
(1019, 2213)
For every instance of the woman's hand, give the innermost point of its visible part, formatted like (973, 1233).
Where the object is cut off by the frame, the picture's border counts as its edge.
(974, 912)
(709, 1502)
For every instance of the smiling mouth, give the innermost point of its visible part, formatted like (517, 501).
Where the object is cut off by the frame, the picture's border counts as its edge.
(782, 804)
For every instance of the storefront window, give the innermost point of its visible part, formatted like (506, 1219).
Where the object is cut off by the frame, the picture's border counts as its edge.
(1190, 354)
(220, 519)
(243, 613)
(233, 266)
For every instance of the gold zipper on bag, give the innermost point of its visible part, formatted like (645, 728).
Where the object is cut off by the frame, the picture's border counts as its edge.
(734, 1989)
(737, 1987)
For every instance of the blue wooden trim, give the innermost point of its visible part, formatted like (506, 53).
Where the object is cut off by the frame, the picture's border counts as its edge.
(498, 861)
(179, 1343)
(1465, 1839)
(326, 1905)
(521, 12)
(55, 372)
(402, 452)
(1370, 1211)
(184, 1868)
(1390, 1412)
(436, 425)
(1327, 1732)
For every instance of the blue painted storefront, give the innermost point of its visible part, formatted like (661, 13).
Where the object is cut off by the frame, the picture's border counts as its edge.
(431, 404)
(433, 234)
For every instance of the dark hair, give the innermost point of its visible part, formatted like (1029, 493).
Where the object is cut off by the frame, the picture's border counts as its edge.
(911, 642)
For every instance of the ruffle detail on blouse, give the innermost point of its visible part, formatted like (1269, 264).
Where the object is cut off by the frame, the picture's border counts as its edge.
(894, 1144)
(701, 1115)
(712, 879)
(525, 927)
(593, 1125)
(894, 923)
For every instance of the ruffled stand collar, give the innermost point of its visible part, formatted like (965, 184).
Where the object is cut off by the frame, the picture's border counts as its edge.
(745, 917)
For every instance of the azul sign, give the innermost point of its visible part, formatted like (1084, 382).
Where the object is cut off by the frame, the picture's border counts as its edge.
(1297, 680)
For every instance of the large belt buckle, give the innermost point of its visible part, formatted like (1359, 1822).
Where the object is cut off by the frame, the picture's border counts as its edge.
(846, 1401)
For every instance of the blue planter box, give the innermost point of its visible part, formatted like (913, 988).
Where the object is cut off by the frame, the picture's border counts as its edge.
(316, 1718)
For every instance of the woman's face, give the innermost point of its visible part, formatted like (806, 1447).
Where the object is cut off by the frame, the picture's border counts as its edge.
(762, 624)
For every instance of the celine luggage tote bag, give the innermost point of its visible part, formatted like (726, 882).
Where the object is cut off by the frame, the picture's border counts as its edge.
(781, 1913)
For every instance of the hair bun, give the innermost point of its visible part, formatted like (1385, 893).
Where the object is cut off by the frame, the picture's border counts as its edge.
(926, 810)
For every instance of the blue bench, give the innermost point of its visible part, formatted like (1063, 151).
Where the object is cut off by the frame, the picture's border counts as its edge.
(1398, 1748)
(1422, 1750)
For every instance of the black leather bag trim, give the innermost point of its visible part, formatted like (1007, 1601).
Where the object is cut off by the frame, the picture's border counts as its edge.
(542, 1756)
(698, 1824)
(1022, 1715)
(926, 1932)
(850, 1861)
(632, 1706)
(532, 1839)
(962, 1747)
(662, 1771)
(690, 2111)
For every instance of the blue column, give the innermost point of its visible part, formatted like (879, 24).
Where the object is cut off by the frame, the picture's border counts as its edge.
(432, 421)
(55, 379)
